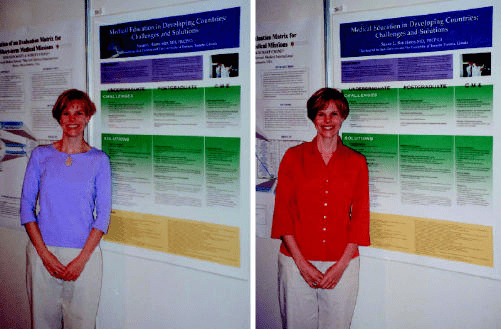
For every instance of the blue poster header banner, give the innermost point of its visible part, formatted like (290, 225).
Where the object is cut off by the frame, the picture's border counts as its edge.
(414, 34)
(210, 30)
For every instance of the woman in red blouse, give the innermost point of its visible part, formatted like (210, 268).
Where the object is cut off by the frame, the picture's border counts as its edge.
(322, 216)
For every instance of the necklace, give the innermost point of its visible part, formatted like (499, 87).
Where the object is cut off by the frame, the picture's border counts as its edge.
(69, 161)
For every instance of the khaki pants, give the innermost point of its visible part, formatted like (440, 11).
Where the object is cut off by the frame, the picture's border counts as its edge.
(303, 307)
(57, 303)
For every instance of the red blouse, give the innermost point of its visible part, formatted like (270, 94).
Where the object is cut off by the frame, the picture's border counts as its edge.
(313, 201)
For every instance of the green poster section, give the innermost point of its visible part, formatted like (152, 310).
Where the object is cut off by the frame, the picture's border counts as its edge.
(178, 169)
(474, 170)
(160, 108)
(372, 105)
(438, 170)
(380, 150)
(125, 109)
(131, 159)
(474, 105)
(426, 105)
(181, 106)
(426, 169)
(459, 106)
(174, 170)
(222, 162)
(222, 105)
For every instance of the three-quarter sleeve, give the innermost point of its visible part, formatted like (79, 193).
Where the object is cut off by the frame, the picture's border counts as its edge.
(31, 186)
(103, 195)
(285, 211)
(358, 231)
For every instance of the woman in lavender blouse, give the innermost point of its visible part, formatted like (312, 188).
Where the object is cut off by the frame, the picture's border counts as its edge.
(71, 181)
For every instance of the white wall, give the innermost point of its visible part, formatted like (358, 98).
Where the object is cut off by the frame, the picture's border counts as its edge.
(14, 307)
(136, 293)
(392, 295)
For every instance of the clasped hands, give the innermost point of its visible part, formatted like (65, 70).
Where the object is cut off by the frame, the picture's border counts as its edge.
(316, 279)
(70, 272)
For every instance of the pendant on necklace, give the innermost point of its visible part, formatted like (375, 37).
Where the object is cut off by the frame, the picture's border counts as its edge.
(68, 161)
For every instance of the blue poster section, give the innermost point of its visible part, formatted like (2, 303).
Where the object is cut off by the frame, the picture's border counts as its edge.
(414, 34)
(210, 30)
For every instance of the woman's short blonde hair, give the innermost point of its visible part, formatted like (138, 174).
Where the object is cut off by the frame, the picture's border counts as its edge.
(69, 96)
(321, 99)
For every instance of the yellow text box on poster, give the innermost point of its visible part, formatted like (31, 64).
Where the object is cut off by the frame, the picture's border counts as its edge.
(468, 243)
(200, 240)
(137, 229)
(205, 241)
(392, 232)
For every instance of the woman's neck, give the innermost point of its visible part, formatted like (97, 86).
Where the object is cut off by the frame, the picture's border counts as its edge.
(326, 145)
(72, 145)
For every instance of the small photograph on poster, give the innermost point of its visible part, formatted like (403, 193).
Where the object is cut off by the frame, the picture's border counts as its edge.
(224, 65)
(476, 65)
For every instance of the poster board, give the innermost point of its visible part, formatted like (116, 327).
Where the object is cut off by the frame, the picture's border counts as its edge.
(37, 63)
(424, 108)
(172, 90)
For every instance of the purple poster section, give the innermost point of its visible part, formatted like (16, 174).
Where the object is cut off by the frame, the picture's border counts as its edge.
(153, 70)
(397, 69)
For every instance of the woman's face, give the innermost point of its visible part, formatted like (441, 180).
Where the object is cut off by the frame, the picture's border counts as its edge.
(328, 121)
(74, 119)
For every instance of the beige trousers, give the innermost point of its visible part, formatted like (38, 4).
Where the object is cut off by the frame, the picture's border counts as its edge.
(303, 307)
(57, 303)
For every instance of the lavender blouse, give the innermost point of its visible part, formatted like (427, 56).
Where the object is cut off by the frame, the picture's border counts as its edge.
(73, 199)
